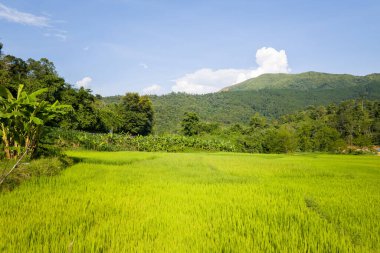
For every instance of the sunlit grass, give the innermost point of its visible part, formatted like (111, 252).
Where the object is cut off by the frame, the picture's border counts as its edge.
(129, 201)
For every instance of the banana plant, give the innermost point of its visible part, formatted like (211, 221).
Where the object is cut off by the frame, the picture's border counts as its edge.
(22, 119)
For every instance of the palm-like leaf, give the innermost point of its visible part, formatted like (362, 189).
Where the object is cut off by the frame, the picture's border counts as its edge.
(23, 117)
(33, 96)
(19, 91)
(5, 93)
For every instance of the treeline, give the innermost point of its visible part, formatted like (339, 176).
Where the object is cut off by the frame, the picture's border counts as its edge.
(132, 114)
(333, 128)
(352, 126)
(238, 125)
(55, 138)
(232, 107)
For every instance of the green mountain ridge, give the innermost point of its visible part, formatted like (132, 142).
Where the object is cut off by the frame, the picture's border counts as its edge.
(303, 81)
(272, 95)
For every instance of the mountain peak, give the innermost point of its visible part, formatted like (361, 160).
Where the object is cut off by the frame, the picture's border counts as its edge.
(302, 81)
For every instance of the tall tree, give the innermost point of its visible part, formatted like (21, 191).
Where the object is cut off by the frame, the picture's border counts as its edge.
(41, 74)
(137, 114)
(257, 121)
(190, 124)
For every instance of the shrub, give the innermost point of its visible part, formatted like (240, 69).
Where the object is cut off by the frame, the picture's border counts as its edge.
(39, 167)
(119, 142)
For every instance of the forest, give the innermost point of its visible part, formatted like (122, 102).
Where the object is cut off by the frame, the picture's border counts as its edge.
(287, 114)
(41, 114)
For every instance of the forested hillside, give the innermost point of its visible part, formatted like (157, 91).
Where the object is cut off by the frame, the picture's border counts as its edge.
(287, 94)
(277, 113)
(304, 81)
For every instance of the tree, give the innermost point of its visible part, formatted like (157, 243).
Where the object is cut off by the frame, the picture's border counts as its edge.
(258, 121)
(305, 129)
(41, 74)
(137, 114)
(22, 119)
(354, 122)
(86, 115)
(146, 107)
(281, 140)
(111, 117)
(190, 124)
(325, 138)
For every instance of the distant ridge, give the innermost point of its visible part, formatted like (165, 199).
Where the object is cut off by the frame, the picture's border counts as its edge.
(271, 95)
(303, 81)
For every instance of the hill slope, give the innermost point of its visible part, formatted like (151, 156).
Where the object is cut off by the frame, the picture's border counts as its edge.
(303, 81)
(272, 95)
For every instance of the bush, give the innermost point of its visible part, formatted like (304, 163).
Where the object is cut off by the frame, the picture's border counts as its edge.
(119, 142)
(39, 167)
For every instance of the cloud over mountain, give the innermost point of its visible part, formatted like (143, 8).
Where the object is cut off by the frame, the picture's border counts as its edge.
(154, 89)
(207, 80)
(84, 82)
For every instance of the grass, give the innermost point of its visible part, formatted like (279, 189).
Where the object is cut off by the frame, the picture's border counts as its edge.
(28, 169)
(214, 202)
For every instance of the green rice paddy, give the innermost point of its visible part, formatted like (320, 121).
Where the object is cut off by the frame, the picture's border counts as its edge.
(197, 202)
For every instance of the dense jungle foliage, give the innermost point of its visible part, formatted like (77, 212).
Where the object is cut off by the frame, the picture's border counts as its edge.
(232, 107)
(33, 96)
(273, 101)
(273, 113)
(22, 119)
(342, 128)
(41, 114)
(134, 116)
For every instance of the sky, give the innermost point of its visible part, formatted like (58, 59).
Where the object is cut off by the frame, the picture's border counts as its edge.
(198, 46)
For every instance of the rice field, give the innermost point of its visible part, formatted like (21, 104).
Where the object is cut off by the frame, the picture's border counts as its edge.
(197, 202)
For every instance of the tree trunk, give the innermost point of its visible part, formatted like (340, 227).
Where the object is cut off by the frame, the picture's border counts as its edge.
(6, 143)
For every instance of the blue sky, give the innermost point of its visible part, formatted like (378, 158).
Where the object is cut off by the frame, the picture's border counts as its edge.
(115, 46)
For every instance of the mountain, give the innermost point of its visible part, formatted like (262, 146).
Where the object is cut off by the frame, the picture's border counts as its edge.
(304, 81)
(272, 95)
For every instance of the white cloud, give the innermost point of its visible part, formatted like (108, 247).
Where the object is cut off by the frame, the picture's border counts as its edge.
(86, 48)
(206, 80)
(85, 82)
(61, 35)
(13, 15)
(144, 65)
(58, 33)
(153, 89)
